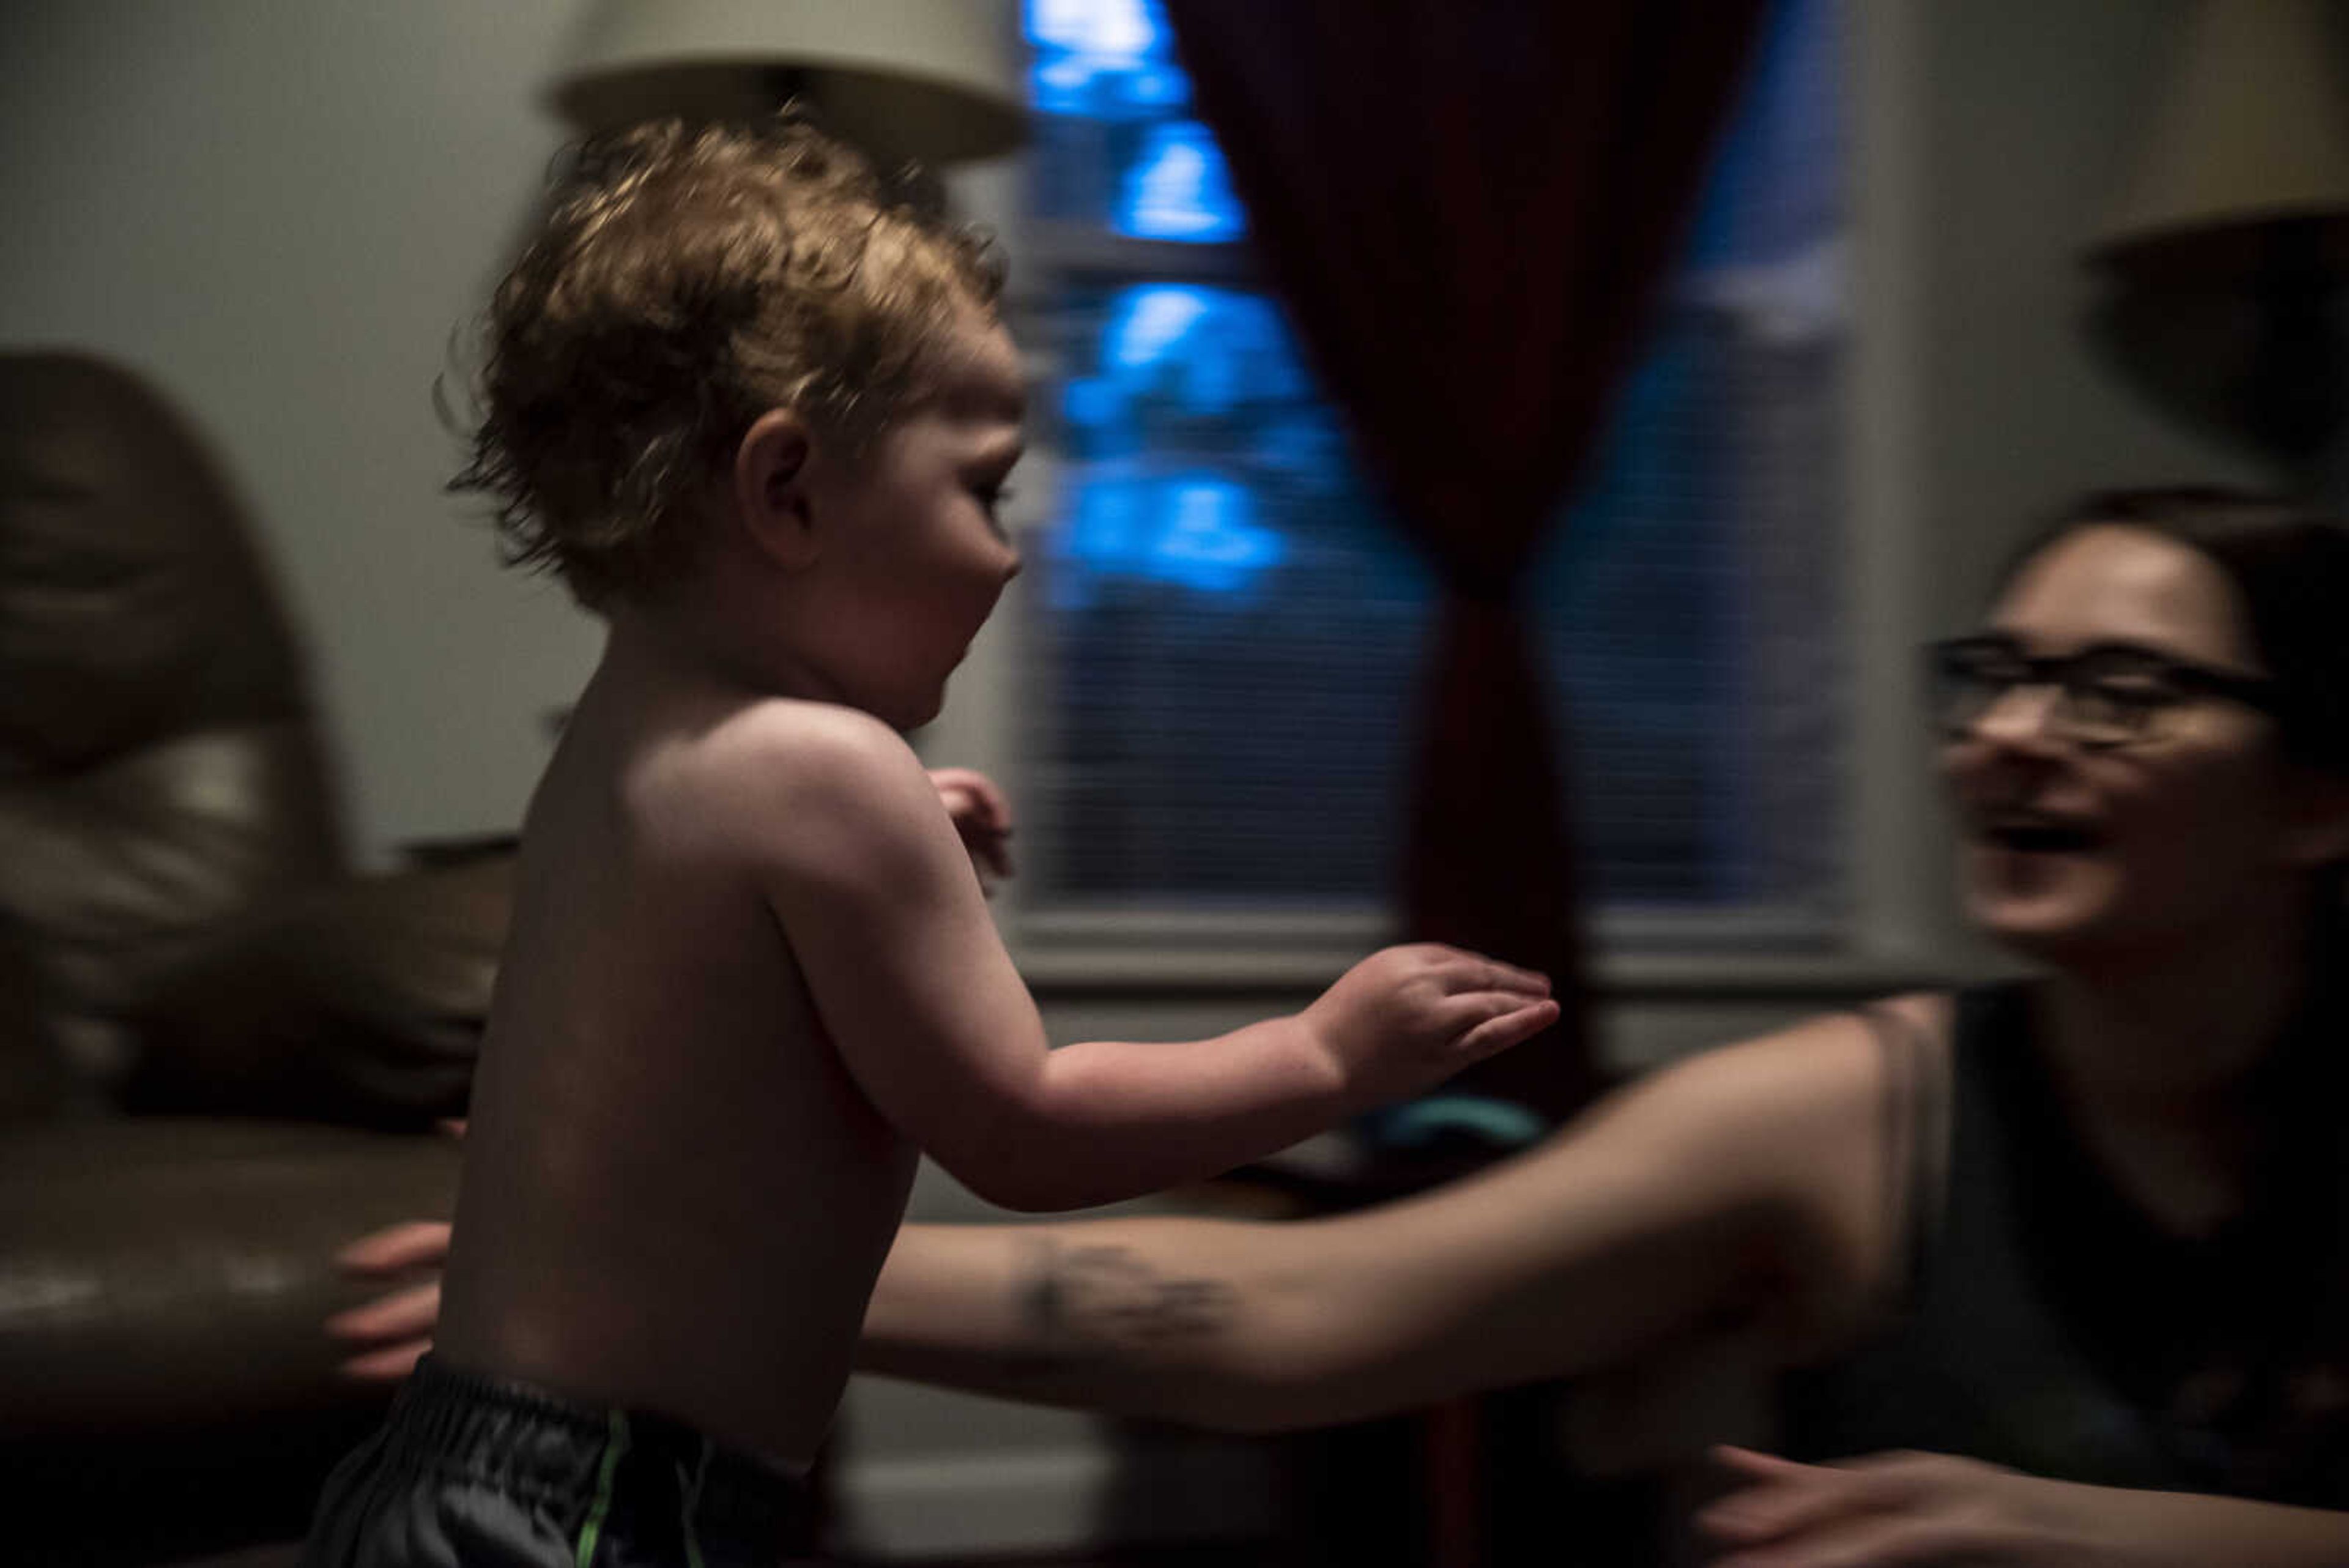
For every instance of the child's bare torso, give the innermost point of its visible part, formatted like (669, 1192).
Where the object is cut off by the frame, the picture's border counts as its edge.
(675, 1197)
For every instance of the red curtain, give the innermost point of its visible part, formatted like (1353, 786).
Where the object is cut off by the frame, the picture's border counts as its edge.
(1467, 207)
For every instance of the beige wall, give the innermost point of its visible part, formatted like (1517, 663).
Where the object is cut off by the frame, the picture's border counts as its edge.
(280, 210)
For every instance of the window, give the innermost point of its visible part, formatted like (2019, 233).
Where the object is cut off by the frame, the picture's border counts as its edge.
(1223, 632)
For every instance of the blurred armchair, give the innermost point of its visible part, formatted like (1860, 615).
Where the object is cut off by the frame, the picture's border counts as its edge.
(220, 1054)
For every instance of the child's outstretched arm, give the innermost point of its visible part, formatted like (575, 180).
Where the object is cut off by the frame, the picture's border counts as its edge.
(883, 913)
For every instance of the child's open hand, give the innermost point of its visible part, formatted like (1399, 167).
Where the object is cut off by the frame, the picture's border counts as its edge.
(1408, 1017)
(982, 815)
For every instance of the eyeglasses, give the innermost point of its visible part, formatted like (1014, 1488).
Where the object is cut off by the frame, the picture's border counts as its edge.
(2107, 694)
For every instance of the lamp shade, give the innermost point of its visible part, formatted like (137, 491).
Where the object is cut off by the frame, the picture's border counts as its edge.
(2252, 131)
(936, 81)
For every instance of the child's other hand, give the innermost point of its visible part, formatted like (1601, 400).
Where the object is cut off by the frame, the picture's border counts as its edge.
(1406, 1018)
(982, 815)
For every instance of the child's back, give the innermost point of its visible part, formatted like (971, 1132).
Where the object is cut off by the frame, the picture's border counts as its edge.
(675, 1198)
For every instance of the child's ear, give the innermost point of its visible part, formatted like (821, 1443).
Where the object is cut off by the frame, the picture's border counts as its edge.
(771, 488)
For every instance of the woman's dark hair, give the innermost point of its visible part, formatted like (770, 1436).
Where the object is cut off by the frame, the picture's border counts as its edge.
(2289, 567)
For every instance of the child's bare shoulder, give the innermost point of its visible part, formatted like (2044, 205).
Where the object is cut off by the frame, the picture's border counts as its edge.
(790, 743)
(815, 788)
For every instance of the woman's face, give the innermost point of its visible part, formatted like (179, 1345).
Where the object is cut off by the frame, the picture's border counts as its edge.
(2069, 849)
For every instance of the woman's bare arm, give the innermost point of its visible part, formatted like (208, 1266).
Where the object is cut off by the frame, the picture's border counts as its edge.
(1746, 1181)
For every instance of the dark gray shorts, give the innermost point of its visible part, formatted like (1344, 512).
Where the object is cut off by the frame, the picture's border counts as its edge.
(467, 1472)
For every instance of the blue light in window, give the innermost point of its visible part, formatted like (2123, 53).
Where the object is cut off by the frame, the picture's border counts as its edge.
(1195, 530)
(1178, 189)
(1217, 366)
(1204, 350)
(1209, 540)
(1062, 84)
(1105, 534)
(1105, 59)
(1093, 402)
(1116, 29)
(1157, 87)
(1150, 323)
(1091, 88)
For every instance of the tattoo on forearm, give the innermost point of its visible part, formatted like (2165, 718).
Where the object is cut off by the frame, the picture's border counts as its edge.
(1092, 1303)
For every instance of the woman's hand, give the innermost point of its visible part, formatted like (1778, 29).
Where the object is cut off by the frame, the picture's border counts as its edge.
(388, 1333)
(1932, 1511)
(982, 817)
(1900, 1511)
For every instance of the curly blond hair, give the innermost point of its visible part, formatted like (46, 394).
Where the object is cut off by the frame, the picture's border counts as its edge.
(685, 280)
